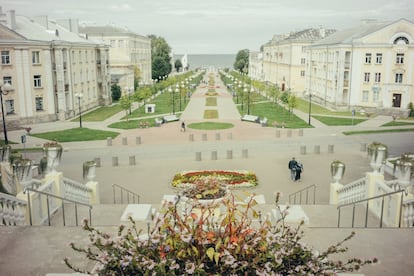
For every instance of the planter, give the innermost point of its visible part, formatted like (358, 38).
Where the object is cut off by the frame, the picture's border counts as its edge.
(22, 171)
(5, 153)
(337, 170)
(89, 170)
(403, 170)
(53, 152)
(378, 153)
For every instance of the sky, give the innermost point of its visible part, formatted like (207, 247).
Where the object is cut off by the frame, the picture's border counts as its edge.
(216, 26)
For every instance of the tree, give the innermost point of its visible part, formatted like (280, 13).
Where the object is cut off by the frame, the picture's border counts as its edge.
(125, 103)
(178, 64)
(160, 57)
(115, 92)
(242, 61)
(137, 77)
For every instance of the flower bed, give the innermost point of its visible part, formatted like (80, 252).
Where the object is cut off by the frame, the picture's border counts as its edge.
(233, 179)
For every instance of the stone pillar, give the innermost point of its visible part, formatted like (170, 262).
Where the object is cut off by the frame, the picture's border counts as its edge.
(109, 141)
(217, 136)
(333, 194)
(330, 148)
(277, 133)
(95, 197)
(214, 155)
(363, 147)
(289, 133)
(229, 154)
(198, 156)
(230, 136)
(191, 137)
(301, 132)
(114, 161)
(245, 153)
(138, 140)
(204, 136)
(132, 160)
(124, 141)
(317, 149)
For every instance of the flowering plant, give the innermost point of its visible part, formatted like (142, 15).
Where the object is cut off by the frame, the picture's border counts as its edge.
(240, 242)
(232, 179)
(206, 188)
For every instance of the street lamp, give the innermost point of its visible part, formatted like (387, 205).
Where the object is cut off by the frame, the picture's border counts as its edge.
(310, 108)
(248, 100)
(129, 90)
(79, 96)
(177, 90)
(5, 88)
(173, 96)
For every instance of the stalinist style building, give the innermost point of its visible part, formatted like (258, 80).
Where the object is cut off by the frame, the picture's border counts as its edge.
(367, 67)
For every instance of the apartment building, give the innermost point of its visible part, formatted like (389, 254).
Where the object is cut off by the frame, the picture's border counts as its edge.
(367, 67)
(284, 58)
(256, 65)
(54, 73)
(128, 51)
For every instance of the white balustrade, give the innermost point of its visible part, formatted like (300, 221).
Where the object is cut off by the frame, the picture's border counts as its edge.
(76, 191)
(12, 210)
(408, 213)
(352, 192)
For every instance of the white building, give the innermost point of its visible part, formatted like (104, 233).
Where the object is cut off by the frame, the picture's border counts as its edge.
(48, 65)
(128, 51)
(256, 65)
(367, 67)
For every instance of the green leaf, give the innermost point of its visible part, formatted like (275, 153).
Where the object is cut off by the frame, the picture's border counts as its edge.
(210, 253)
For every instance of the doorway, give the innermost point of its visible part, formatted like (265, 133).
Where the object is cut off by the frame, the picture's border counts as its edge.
(396, 100)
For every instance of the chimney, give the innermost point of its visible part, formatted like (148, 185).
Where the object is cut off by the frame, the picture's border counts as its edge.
(322, 32)
(71, 25)
(12, 19)
(42, 20)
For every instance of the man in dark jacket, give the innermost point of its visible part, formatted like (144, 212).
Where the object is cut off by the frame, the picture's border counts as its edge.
(292, 167)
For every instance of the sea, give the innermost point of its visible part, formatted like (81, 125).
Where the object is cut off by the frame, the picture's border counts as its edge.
(209, 60)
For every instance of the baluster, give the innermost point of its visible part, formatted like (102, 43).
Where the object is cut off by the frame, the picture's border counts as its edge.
(1, 212)
(410, 215)
(7, 213)
(20, 214)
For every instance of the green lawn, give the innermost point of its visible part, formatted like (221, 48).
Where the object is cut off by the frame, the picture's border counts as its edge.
(210, 114)
(76, 134)
(338, 121)
(303, 105)
(210, 125)
(100, 114)
(211, 101)
(377, 131)
(397, 123)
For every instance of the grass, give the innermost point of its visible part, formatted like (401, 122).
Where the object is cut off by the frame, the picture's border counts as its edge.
(397, 123)
(76, 134)
(210, 114)
(303, 106)
(211, 101)
(100, 114)
(131, 124)
(338, 121)
(377, 131)
(210, 125)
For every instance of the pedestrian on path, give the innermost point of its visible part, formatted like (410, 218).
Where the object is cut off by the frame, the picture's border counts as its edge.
(182, 126)
(298, 170)
(292, 167)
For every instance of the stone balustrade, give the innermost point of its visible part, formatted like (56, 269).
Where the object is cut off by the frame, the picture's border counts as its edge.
(353, 191)
(76, 191)
(12, 210)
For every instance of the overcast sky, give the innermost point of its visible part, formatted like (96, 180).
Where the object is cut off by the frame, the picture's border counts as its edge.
(217, 26)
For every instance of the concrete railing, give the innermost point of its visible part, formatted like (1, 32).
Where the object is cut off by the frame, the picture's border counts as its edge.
(76, 191)
(353, 191)
(12, 210)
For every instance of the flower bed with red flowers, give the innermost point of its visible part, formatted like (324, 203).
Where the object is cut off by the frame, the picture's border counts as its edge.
(233, 179)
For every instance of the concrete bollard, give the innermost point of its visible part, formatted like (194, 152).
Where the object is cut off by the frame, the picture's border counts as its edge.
(138, 140)
(114, 161)
(230, 136)
(289, 133)
(330, 148)
(217, 136)
(245, 153)
(124, 141)
(98, 162)
(317, 149)
(214, 155)
(204, 136)
(132, 160)
(277, 133)
(109, 141)
(191, 137)
(363, 147)
(303, 150)
(198, 156)
(301, 132)
(229, 154)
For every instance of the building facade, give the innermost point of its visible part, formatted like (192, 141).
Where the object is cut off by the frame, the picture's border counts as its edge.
(367, 67)
(284, 58)
(54, 73)
(256, 65)
(128, 51)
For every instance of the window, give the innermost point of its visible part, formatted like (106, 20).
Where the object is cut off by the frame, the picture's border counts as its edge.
(375, 95)
(7, 79)
(401, 40)
(302, 61)
(302, 73)
(35, 57)
(9, 106)
(366, 77)
(377, 77)
(365, 95)
(368, 58)
(399, 59)
(39, 103)
(398, 78)
(120, 43)
(5, 57)
(113, 43)
(379, 58)
(37, 81)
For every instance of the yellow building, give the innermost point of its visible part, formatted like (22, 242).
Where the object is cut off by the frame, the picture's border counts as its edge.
(370, 68)
(51, 70)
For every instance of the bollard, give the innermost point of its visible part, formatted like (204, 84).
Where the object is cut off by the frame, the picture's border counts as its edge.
(191, 137)
(229, 136)
(198, 156)
(229, 154)
(301, 132)
(204, 136)
(98, 162)
(109, 141)
(317, 149)
(138, 140)
(132, 160)
(363, 147)
(277, 133)
(217, 136)
(245, 153)
(289, 133)
(124, 141)
(330, 148)
(302, 149)
(114, 161)
(214, 155)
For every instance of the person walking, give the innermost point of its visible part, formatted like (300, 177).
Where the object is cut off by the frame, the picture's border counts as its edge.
(182, 126)
(292, 167)
(299, 170)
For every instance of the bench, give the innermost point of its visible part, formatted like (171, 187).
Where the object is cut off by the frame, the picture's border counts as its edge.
(170, 118)
(158, 122)
(263, 122)
(250, 118)
(138, 212)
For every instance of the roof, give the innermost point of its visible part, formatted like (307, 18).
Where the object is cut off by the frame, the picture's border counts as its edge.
(107, 30)
(306, 35)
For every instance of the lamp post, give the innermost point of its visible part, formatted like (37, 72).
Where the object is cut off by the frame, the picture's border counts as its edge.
(5, 88)
(129, 90)
(244, 93)
(177, 90)
(79, 96)
(248, 100)
(310, 108)
(173, 96)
